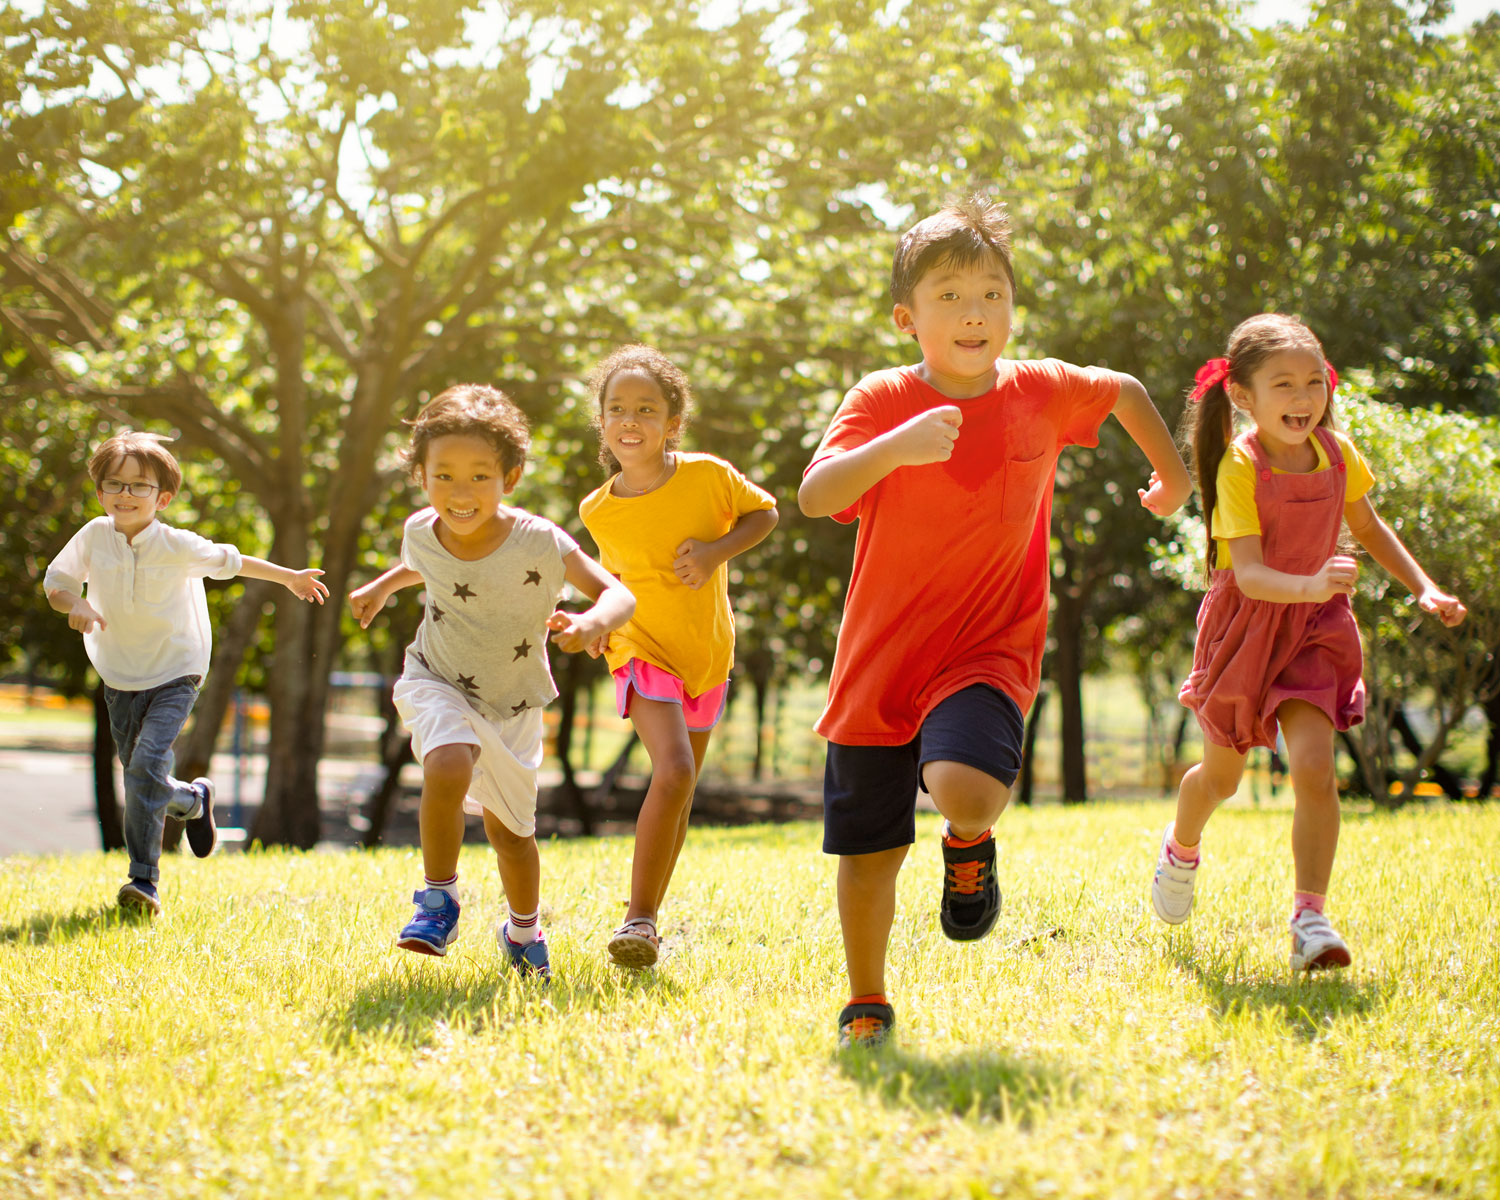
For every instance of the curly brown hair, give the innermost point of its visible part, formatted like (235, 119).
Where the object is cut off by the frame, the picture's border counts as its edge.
(675, 390)
(148, 449)
(470, 410)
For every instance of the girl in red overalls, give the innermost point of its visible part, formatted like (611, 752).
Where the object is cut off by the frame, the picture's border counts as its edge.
(1277, 645)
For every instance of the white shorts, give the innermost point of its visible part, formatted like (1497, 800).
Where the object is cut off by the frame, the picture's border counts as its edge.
(510, 751)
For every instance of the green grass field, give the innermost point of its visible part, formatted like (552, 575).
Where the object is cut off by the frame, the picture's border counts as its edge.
(264, 1038)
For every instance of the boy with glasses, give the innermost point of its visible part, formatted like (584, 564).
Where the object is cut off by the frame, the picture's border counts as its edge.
(145, 627)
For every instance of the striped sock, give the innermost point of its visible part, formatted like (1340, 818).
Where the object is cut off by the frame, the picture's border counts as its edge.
(445, 885)
(1306, 900)
(522, 929)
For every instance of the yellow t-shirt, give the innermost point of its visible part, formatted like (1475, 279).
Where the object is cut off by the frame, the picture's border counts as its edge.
(689, 633)
(1235, 514)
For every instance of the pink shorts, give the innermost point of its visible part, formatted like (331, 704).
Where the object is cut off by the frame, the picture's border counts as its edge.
(651, 682)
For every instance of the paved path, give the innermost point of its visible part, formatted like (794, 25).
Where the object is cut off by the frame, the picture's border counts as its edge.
(47, 797)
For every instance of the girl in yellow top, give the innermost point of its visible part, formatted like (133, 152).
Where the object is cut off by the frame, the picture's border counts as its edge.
(666, 524)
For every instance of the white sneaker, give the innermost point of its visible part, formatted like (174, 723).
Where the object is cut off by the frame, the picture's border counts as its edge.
(1315, 943)
(1172, 885)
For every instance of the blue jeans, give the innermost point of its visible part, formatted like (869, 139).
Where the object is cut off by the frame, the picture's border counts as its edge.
(145, 724)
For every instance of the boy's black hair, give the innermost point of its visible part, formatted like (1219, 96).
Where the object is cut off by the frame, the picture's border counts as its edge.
(470, 410)
(968, 233)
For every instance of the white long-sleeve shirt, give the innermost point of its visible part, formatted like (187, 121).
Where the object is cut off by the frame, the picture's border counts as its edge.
(150, 594)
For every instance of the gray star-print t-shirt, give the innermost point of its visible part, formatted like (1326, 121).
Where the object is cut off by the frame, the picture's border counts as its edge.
(484, 631)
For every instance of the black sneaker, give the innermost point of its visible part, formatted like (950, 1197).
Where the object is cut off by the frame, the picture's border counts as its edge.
(139, 895)
(865, 1026)
(971, 895)
(202, 833)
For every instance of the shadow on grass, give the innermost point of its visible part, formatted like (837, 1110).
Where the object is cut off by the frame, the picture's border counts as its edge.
(1305, 1003)
(50, 928)
(417, 1000)
(983, 1085)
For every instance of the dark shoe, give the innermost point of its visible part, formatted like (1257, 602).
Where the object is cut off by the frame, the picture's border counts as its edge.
(202, 833)
(971, 894)
(139, 895)
(865, 1026)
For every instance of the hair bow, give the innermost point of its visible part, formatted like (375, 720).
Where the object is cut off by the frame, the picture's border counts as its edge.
(1333, 377)
(1208, 376)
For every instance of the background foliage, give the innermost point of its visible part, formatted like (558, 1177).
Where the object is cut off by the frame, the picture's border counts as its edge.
(274, 228)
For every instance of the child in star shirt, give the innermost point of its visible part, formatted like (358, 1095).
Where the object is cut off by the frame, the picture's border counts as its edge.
(476, 677)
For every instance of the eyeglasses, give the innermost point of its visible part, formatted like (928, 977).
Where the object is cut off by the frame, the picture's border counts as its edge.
(113, 487)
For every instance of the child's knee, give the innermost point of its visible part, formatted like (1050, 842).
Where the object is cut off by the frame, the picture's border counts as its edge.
(965, 794)
(450, 767)
(675, 775)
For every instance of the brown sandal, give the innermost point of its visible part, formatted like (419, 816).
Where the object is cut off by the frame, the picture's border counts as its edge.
(635, 944)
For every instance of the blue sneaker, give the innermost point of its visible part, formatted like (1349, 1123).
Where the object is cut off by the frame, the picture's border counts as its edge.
(530, 959)
(139, 895)
(435, 925)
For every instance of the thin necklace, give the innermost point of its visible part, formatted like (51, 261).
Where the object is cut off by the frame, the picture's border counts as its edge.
(620, 482)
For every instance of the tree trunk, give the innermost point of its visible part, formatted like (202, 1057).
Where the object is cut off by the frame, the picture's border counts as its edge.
(106, 799)
(194, 748)
(567, 695)
(1491, 744)
(1450, 783)
(1067, 627)
(1027, 780)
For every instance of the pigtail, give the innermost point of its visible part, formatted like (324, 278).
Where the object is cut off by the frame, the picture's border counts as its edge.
(1207, 430)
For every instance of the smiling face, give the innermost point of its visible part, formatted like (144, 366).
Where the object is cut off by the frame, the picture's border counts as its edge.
(466, 484)
(1286, 398)
(636, 421)
(131, 514)
(961, 318)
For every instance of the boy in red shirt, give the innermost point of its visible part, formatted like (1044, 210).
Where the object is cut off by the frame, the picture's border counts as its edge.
(948, 465)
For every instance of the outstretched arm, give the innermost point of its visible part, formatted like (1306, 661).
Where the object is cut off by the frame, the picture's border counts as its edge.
(697, 561)
(370, 599)
(1170, 484)
(614, 604)
(836, 482)
(1387, 549)
(304, 584)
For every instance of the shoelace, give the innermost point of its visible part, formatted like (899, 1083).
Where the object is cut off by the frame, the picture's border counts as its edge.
(863, 1029)
(966, 878)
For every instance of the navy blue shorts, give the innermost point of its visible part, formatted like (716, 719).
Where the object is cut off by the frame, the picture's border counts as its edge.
(870, 792)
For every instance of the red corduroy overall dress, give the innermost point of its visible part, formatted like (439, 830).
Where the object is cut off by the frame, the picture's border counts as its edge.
(1252, 655)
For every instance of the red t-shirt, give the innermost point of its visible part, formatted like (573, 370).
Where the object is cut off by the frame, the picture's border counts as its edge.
(949, 586)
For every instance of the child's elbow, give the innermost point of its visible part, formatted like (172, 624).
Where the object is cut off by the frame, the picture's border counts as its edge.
(809, 503)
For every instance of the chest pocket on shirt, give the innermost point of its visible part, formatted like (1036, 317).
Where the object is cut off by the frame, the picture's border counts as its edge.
(155, 586)
(1024, 480)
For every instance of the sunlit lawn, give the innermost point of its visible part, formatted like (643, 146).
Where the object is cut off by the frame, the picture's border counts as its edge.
(263, 1038)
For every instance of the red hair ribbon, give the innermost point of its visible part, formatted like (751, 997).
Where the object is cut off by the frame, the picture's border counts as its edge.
(1209, 375)
(1333, 377)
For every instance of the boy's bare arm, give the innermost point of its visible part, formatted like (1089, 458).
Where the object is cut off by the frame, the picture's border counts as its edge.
(304, 584)
(1170, 485)
(697, 561)
(836, 482)
(82, 615)
(614, 604)
(370, 599)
